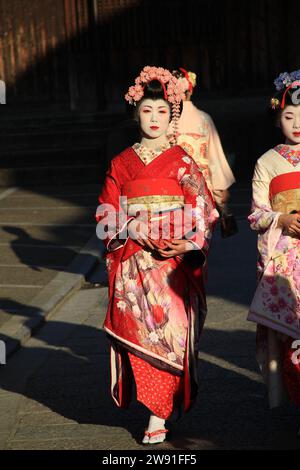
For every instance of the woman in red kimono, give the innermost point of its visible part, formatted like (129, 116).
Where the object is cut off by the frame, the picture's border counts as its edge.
(155, 217)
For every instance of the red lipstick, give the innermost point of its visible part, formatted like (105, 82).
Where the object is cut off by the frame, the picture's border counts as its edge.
(154, 128)
(296, 134)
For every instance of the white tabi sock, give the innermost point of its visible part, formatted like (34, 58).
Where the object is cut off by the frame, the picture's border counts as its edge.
(155, 424)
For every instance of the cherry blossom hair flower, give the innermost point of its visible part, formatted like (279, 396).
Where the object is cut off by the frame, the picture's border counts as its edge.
(173, 89)
(172, 86)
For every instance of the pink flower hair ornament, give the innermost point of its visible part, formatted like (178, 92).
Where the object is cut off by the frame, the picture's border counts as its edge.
(174, 91)
(173, 88)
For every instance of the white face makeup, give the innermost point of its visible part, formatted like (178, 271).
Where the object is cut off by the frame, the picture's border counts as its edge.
(154, 118)
(290, 124)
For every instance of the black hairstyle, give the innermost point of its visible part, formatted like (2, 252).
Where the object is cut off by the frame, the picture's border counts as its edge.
(153, 90)
(178, 74)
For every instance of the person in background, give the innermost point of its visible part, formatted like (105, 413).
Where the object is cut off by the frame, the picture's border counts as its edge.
(198, 136)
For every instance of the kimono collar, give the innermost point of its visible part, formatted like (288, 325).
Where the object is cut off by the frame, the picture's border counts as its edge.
(292, 156)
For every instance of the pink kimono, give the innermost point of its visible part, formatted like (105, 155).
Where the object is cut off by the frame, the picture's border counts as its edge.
(276, 303)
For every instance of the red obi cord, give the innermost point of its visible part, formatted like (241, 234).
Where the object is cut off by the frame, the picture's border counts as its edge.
(283, 183)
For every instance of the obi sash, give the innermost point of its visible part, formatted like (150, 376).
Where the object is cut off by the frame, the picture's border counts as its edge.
(152, 194)
(161, 202)
(284, 192)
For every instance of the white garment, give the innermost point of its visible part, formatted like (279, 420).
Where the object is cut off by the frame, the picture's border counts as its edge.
(198, 135)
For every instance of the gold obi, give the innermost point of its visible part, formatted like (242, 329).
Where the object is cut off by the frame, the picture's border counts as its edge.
(152, 195)
(286, 201)
(284, 192)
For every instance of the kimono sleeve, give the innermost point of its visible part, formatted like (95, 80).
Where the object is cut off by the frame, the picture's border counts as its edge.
(110, 216)
(204, 213)
(220, 172)
(262, 216)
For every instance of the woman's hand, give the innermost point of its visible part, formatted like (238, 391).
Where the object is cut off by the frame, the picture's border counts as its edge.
(290, 223)
(221, 196)
(138, 231)
(175, 248)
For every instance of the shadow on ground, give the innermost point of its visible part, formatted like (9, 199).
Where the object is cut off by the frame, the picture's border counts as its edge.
(231, 411)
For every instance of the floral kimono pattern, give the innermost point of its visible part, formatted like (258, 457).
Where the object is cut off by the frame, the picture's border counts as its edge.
(198, 136)
(157, 306)
(276, 303)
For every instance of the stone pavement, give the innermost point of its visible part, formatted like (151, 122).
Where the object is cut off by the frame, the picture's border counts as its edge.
(55, 390)
(42, 230)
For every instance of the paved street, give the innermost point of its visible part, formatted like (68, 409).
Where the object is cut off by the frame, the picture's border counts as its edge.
(66, 73)
(42, 230)
(55, 390)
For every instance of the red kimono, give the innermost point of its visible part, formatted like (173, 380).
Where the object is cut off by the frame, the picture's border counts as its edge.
(157, 306)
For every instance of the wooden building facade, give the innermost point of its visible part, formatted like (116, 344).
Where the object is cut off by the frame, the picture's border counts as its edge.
(84, 53)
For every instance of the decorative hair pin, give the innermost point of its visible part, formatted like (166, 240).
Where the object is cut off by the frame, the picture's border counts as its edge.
(285, 81)
(188, 84)
(275, 103)
(189, 81)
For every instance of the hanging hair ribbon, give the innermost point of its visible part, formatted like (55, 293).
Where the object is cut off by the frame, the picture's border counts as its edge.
(164, 88)
(292, 85)
(186, 75)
